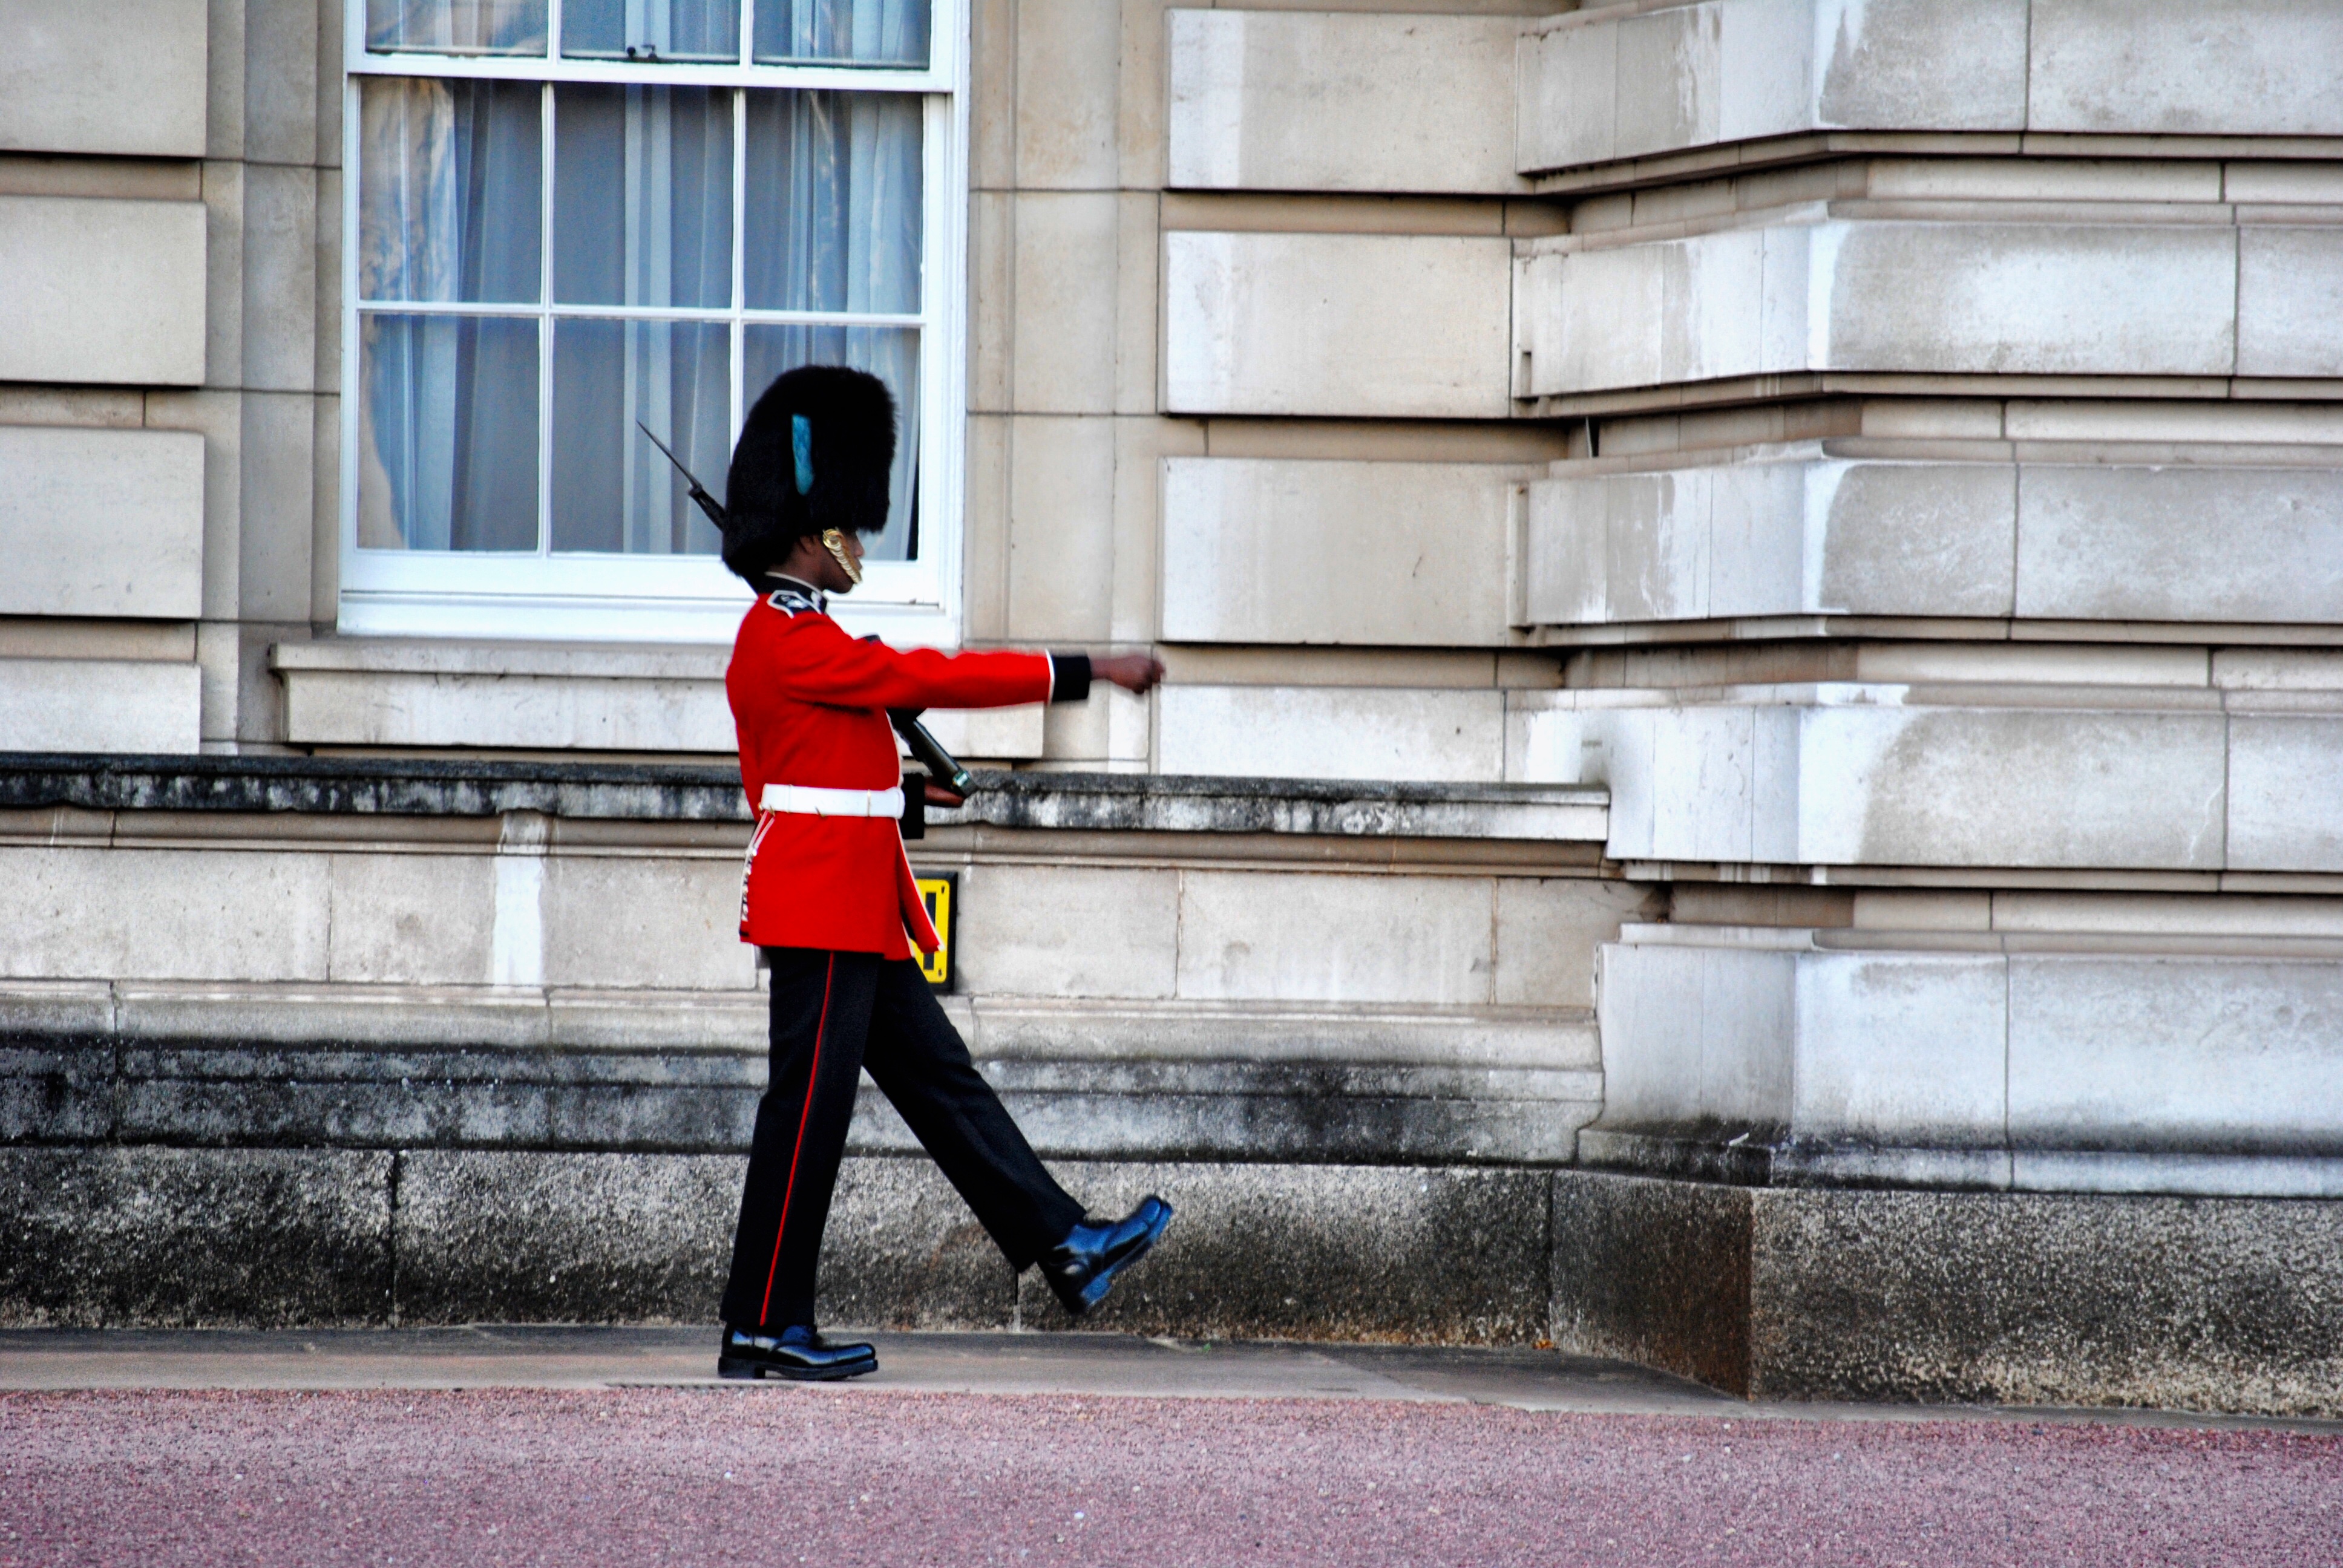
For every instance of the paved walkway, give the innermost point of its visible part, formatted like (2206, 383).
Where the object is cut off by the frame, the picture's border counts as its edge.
(590, 1446)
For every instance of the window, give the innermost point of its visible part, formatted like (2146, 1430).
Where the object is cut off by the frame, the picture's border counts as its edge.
(562, 218)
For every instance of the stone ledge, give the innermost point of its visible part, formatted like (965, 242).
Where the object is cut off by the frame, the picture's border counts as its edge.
(1091, 802)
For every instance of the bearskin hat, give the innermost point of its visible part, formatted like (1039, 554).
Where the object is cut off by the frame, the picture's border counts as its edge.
(834, 427)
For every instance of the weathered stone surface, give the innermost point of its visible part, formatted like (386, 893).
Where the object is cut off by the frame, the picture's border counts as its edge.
(1327, 732)
(58, 1093)
(1654, 1272)
(1302, 324)
(189, 1238)
(2181, 1304)
(1324, 1252)
(1283, 551)
(102, 522)
(99, 704)
(1946, 297)
(534, 1237)
(100, 290)
(1289, 100)
(647, 1238)
(127, 78)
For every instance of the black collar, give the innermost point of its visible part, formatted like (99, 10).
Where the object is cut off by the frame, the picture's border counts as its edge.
(795, 597)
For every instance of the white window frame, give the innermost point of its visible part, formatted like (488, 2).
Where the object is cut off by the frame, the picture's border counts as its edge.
(678, 599)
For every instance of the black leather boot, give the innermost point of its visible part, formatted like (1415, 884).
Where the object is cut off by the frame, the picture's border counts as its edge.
(1082, 1268)
(797, 1353)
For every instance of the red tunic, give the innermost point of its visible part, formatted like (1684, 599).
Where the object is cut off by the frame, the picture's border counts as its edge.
(810, 704)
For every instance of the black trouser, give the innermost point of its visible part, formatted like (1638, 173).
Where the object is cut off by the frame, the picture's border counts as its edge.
(833, 1015)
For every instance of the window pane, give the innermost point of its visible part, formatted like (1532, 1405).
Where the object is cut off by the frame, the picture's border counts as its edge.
(642, 196)
(857, 32)
(456, 26)
(611, 488)
(447, 190)
(651, 29)
(447, 433)
(833, 202)
(889, 353)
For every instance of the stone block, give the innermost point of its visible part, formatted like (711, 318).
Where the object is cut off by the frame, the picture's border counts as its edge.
(624, 921)
(56, 1090)
(127, 79)
(1060, 528)
(1066, 75)
(172, 1238)
(2025, 1299)
(1304, 101)
(1629, 84)
(410, 920)
(100, 705)
(1697, 1036)
(601, 1238)
(276, 520)
(1324, 1252)
(2284, 813)
(194, 914)
(994, 734)
(2179, 544)
(1975, 1298)
(281, 86)
(1065, 266)
(1900, 1047)
(1548, 930)
(1770, 539)
(2203, 1055)
(1305, 323)
(1368, 554)
(107, 291)
(2223, 67)
(1862, 784)
(102, 523)
(1331, 732)
(1423, 941)
(399, 708)
(1950, 298)
(2290, 295)
(1653, 1272)
(2042, 299)
(529, 1237)
(1068, 931)
(279, 260)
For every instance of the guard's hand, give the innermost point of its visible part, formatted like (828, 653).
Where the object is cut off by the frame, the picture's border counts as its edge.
(1134, 672)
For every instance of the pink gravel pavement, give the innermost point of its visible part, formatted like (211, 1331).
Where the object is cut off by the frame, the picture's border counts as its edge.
(777, 1474)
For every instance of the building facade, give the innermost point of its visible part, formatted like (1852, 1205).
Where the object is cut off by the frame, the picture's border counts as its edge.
(1753, 588)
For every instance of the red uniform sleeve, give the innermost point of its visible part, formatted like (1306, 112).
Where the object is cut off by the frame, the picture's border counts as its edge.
(821, 663)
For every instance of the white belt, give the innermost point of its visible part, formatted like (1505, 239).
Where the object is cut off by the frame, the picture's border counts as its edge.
(805, 800)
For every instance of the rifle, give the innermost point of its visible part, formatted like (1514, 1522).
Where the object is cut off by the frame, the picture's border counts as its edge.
(925, 749)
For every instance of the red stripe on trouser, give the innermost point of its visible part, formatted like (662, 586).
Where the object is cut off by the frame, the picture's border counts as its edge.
(813, 1078)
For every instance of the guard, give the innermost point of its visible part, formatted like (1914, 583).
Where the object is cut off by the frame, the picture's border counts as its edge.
(828, 894)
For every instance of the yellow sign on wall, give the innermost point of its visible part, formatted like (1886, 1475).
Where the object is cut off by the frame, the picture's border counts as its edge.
(941, 895)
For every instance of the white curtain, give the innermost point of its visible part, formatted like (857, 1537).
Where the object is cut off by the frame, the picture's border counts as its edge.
(456, 26)
(447, 213)
(865, 32)
(642, 187)
(834, 224)
(653, 29)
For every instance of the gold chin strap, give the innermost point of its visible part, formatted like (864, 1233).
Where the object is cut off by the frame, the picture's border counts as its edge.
(834, 542)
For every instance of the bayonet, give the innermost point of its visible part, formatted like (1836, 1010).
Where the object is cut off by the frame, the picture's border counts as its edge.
(706, 502)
